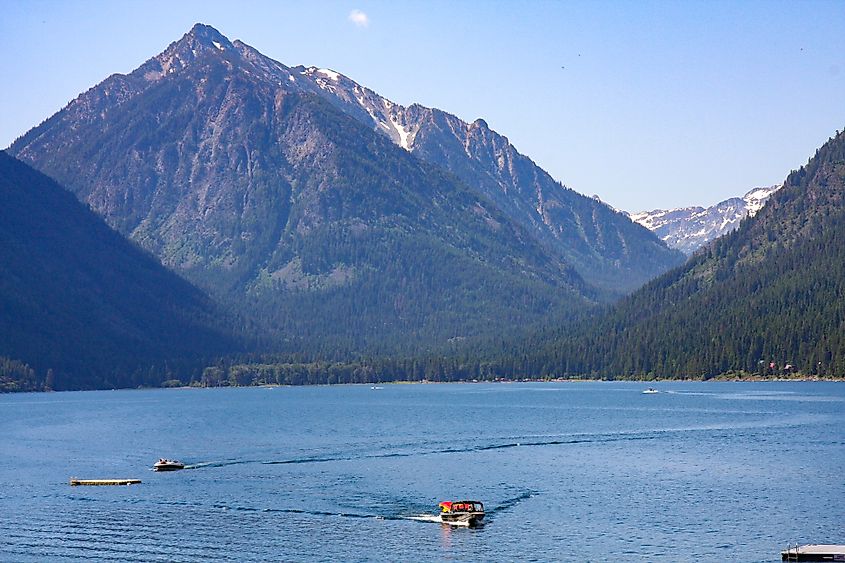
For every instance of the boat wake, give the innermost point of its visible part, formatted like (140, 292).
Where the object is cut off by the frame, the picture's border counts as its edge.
(435, 519)
(306, 512)
(224, 463)
(507, 504)
(515, 442)
(568, 440)
(431, 518)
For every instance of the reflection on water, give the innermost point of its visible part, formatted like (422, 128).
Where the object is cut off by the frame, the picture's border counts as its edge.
(446, 538)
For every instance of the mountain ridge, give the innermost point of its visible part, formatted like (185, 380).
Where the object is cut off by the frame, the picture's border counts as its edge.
(604, 246)
(606, 249)
(690, 228)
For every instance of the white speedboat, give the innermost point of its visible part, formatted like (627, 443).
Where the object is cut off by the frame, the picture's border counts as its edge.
(650, 391)
(168, 465)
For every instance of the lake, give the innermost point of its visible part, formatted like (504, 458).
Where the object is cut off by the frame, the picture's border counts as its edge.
(580, 471)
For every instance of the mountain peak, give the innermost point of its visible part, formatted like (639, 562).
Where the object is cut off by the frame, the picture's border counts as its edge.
(480, 124)
(202, 39)
(207, 35)
(690, 228)
(756, 198)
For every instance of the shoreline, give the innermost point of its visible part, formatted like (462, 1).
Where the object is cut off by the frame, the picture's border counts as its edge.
(717, 379)
(725, 378)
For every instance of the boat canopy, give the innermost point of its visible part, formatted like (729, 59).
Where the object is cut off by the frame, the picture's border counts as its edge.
(461, 506)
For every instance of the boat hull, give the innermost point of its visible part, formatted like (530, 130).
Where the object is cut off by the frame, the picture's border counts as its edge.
(168, 467)
(463, 518)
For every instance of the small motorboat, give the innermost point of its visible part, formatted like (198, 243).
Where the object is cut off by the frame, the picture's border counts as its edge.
(168, 465)
(462, 512)
(650, 391)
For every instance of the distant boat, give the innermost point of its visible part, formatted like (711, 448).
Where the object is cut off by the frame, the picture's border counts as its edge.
(463, 512)
(376, 387)
(168, 465)
(650, 391)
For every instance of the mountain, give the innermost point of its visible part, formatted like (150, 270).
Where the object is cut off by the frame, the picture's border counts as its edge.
(236, 175)
(690, 228)
(767, 298)
(79, 300)
(605, 248)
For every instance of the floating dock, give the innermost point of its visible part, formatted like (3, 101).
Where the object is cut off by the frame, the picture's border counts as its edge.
(814, 552)
(96, 482)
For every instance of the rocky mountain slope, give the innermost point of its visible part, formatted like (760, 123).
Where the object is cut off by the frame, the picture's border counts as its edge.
(690, 228)
(221, 163)
(605, 248)
(79, 300)
(767, 298)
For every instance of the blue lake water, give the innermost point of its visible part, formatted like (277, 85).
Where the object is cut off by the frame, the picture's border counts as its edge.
(567, 471)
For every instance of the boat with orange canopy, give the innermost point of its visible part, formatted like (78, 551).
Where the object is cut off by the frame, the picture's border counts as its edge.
(463, 512)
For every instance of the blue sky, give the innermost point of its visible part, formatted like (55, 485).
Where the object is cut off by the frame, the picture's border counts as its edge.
(646, 104)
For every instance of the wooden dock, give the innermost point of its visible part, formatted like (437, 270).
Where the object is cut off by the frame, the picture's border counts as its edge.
(96, 482)
(814, 552)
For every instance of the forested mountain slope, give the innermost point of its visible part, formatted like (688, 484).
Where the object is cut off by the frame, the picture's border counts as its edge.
(607, 249)
(768, 298)
(270, 197)
(79, 300)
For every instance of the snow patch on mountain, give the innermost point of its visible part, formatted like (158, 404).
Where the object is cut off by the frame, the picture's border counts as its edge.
(404, 134)
(330, 73)
(690, 228)
(755, 199)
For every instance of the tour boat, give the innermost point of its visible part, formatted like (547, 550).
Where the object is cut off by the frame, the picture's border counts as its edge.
(168, 465)
(462, 512)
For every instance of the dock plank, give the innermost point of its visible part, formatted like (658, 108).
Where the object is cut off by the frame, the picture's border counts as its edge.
(96, 482)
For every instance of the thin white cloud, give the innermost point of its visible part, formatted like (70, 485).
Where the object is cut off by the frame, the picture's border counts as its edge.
(359, 18)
